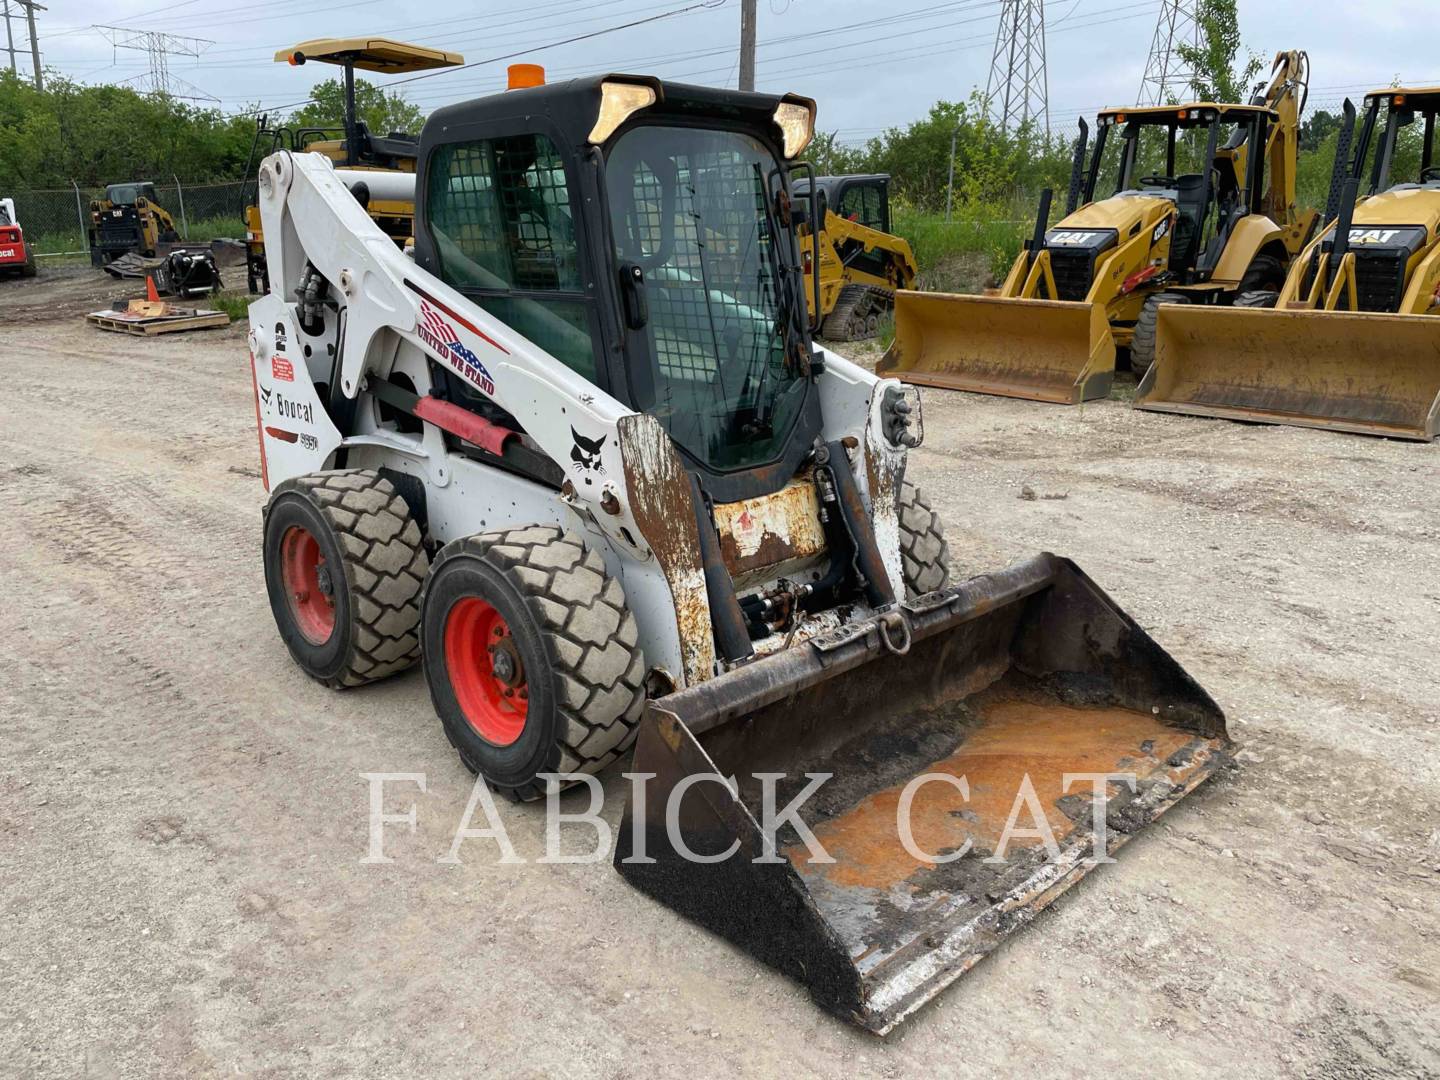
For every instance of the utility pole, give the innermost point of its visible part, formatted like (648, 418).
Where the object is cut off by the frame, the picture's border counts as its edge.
(747, 44)
(1167, 77)
(1018, 91)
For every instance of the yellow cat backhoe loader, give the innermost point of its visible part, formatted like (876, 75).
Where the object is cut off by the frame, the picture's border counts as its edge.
(391, 204)
(1194, 215)
(1351, 342)
(861, 264)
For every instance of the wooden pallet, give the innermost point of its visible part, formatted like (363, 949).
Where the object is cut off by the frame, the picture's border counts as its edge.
(129, 322)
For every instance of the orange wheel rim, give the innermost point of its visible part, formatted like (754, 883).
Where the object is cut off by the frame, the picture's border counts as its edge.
(309, 587)
(485, 671)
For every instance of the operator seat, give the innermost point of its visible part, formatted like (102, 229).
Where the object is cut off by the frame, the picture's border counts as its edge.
(1189, 204)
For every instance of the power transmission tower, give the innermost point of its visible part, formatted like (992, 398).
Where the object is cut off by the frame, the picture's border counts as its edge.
(1167, 76)
(29, 7)
(9, 37)
(161, 47)
(1018, 91)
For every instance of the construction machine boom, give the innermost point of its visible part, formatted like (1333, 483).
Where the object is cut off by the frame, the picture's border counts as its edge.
(354, 146)
(1350, 341)
(581, 459)
(1196, 206)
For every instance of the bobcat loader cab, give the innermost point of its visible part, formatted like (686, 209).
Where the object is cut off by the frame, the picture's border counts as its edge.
(582, 459)
(1175, 205)
(1352, 342)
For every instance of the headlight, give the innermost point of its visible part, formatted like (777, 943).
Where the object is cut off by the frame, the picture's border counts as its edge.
(618, 102)
(796, 122)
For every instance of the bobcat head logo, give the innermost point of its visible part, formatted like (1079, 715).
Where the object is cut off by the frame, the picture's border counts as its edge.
(586, 453)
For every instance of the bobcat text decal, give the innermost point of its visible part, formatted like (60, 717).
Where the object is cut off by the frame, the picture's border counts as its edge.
(441, 336)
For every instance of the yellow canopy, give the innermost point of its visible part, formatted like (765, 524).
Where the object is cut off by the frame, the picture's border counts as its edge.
(370, 54)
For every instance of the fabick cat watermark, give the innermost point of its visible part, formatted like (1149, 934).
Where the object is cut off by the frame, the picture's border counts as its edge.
(480, 831)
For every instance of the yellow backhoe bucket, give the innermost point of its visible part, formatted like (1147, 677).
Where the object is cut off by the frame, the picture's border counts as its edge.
(1375, 374)
(1043, 350)
(974, 718)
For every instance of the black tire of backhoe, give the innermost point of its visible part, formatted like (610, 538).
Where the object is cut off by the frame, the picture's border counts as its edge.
(924, 552)
(1257, 298)
(1266, 274)
(1142, 345)
(362, 523)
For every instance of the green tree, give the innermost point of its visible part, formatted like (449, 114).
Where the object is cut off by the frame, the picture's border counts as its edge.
(105, 134)
(990, 165)
(383, 111)
(1216, 74)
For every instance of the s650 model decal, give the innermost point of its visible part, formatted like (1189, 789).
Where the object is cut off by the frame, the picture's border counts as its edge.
(436, 332)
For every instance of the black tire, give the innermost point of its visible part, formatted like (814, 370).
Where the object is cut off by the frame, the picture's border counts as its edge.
(31, 267)
(1266, 274)
(358, 522)
(924, 554)
(1258, 298)
(563, 624)
(1142, 345)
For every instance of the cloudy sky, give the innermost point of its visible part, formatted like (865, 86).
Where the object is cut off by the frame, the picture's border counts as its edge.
(869, 65)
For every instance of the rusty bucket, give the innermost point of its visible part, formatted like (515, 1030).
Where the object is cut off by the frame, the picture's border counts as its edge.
(1007, 686)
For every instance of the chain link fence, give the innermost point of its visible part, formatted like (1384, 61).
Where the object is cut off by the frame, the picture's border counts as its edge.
(56, 220)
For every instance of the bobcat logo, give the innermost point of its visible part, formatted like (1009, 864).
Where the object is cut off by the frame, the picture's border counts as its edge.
(586, 453)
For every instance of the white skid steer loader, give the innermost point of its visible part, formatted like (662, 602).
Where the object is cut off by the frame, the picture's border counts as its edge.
(582, 459)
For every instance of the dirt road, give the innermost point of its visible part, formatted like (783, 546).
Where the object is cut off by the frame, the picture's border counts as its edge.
(183, 815)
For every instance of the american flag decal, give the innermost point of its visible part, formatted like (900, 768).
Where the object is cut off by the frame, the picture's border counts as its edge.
(441, 336)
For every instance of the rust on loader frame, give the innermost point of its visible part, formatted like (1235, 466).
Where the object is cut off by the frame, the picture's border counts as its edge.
(1013, 679)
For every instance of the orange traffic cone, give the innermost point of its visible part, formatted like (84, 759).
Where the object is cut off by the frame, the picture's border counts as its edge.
(151, 293)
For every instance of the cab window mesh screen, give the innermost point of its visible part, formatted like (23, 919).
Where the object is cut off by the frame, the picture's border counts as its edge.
(690, 212)
(500, 213)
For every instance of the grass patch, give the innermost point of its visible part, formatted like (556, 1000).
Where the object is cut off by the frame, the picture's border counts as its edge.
(234, 304)
(216, 228)
(72, 240)
(971, 251)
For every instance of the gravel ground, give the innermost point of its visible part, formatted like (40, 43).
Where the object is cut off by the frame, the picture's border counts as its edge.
(182, 814)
